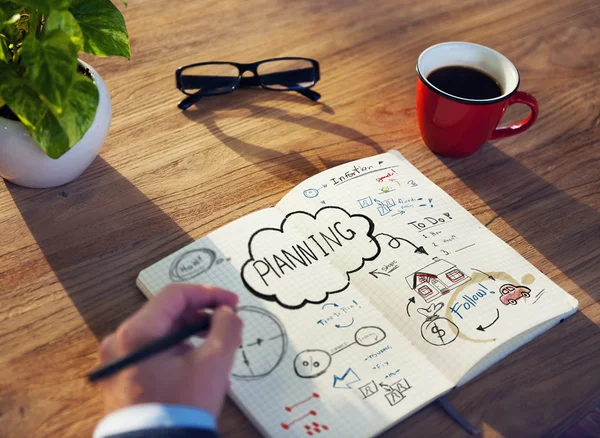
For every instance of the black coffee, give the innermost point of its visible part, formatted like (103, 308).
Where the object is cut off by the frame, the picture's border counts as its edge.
(465, 82)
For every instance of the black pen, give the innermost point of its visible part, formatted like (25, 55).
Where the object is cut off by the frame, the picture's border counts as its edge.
(151, 349)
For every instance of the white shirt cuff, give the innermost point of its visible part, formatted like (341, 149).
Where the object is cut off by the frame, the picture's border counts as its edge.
(153, 416)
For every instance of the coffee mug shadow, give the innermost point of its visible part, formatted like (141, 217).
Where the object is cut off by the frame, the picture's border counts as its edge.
(97, 233)
(537, 210)
(567, 233)
(292, 166)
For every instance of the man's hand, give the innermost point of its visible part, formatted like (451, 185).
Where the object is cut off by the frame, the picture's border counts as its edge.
(183, 375)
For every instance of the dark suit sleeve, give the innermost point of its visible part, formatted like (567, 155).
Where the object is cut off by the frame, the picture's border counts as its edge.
(168, 432)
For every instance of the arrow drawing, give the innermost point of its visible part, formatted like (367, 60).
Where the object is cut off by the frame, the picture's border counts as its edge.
(258, 342)
(410, 300)
(488, 275)
(396, 243)
(344, 326)
(375, 271)
(396, 181)
(482, 329)
(347, 379)
(386, 387)
(247, 362)
(329, 304)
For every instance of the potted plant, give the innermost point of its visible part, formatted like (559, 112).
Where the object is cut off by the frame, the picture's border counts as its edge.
(55, 110)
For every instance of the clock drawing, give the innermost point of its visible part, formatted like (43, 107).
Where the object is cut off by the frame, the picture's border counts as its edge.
(264, 343)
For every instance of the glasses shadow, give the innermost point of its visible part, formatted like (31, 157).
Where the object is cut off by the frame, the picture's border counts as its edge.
(97, 233)
(257, 104)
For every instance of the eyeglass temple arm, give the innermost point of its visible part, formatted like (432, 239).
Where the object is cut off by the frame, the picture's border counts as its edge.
(189, 101)
(311, 94)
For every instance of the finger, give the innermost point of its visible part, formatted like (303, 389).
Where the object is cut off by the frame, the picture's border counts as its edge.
(191, 317)
(224, 337)
(107, 349)
(162, 314)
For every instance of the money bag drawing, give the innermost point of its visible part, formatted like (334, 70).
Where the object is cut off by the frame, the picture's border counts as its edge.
(437, 330)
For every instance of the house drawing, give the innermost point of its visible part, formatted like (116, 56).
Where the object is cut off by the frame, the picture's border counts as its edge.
(436, 279)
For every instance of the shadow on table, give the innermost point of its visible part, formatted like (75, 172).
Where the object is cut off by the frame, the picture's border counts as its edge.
(247, 103)
(97, 233)
(558, 372)
(563, 229)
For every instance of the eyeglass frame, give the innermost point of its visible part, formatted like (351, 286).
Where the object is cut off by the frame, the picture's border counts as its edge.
(255, 80)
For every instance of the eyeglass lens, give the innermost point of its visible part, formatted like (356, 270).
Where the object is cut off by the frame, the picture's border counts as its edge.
(210, 78)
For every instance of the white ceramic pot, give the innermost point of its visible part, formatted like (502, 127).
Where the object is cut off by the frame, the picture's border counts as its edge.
(23, 162)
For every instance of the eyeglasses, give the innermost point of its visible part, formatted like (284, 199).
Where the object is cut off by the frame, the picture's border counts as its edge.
(276, 74)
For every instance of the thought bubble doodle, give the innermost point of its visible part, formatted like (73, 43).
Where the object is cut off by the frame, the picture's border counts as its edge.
(309, 256)
(191, 264)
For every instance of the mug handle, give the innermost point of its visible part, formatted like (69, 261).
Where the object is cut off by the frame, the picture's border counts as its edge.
(521, 125)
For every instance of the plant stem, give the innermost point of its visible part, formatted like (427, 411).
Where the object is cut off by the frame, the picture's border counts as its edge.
(35, 22)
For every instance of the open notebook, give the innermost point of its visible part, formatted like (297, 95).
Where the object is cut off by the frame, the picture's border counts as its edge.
(366, 293)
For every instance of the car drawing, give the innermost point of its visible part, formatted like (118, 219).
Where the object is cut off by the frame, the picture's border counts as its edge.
(509, 293)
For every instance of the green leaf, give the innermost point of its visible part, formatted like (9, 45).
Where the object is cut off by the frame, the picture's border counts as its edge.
(80, 108)
(124, 2)
(45, 6)
(39, 121)
(13, 19)
(4, 52)
(103, 28)
(64, 21)
(54, 134)
(51, 65)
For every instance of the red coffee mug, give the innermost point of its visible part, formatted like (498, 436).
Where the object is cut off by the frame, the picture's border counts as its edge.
(454, 126)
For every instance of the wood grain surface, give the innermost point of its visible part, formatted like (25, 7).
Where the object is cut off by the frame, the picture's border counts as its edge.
(69, 256)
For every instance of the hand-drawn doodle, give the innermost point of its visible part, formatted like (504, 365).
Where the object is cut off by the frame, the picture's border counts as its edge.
(384, 207)
(471, 300)
(309, 364)
(311, 193)
(395, 243)
(410, 300)
(489, 276)
(436, 279)
(286, 426)
(301, 402)
(278, 265)
(510, 293)
(394, 392)
(369, 389)
(375, 273)
(329, 304)
(437, 330)
(345, 326)
(539, 295)
(356, 172)
(310, 428)
(315, 427)
(365, 202)
(368, 336)
(430, 222)
(263, 346)
(464, 247)
(482, 328)
(386, 189)
(192, 263)
(387, 175)
(348, 378)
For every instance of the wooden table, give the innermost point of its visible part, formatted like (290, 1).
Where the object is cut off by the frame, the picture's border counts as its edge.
(69, 256)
